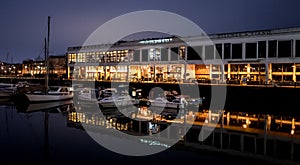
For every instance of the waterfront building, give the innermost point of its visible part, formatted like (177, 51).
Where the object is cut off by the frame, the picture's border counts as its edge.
(10, 69)
(256, 56)
(37, 68)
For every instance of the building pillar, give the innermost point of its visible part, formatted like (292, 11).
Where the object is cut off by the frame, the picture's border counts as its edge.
(248, 70)
(268, 72)
(228, 118)
(104, 67)
(184, 72)
(294, 48)
(127, 76)
(294, 72)
(243, 50)
(68, 72)
(209, 116)
(228, 71)
(222, 72)
(210, 71)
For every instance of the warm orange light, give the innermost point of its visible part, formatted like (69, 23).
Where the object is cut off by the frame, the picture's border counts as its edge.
(244, 125)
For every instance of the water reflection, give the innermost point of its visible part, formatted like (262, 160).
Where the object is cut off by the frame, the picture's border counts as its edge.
(45, 131)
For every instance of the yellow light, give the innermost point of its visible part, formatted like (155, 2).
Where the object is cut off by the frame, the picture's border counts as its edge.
(244, 125)
(292, 132)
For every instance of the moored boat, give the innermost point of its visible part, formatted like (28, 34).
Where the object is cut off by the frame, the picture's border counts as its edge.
(55, 93)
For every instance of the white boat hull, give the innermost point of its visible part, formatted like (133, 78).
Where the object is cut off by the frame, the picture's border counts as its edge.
(113, 103)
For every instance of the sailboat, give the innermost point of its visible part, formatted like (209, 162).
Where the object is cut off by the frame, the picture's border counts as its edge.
(48, 93)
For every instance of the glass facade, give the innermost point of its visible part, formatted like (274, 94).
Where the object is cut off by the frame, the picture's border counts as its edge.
(265, 57)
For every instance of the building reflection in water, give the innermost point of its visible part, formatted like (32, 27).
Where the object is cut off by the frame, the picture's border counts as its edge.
(275, 136)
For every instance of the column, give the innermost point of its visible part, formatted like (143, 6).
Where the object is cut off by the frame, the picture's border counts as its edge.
(222, 67)
(184, 72)
(243, 50)
(293, 48)
(104, 67)
(209, 116)
(68, 72)
(210, 71)
(270, 71)
(228, 118)
(127, 76)
(228, 71)
(248, 70)
(267, 72)
(294, 72)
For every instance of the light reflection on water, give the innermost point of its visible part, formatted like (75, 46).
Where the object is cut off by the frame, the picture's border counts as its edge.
(51, 135)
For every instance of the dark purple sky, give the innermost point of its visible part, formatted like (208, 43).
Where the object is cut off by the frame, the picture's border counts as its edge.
(24, 23)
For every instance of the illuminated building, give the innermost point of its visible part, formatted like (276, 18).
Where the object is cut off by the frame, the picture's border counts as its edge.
(256, 56)
(37, 69)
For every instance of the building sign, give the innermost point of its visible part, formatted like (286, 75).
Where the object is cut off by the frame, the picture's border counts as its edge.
(244, 34)
(156, 41)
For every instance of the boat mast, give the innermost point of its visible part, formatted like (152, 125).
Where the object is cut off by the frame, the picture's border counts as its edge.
(47, 54)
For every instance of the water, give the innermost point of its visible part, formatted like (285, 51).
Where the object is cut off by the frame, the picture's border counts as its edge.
(49, 136)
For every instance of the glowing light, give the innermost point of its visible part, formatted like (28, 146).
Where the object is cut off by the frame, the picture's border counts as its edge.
(244, 125)
(292, 132)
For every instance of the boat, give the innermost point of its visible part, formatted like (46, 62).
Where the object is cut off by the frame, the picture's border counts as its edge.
(33, 107)
(7, 89)
(46, 93)
(163, 102)
(195, 103)
(107, 92)
(116, 101)
(55, 93)
(169, 100)
(88, 95)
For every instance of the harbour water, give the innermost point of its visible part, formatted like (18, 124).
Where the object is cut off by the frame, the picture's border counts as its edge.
(51, 135)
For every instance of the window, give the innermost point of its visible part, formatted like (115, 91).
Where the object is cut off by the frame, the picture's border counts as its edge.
(174, 54)
(164, 54)
(145, 55)
(209, 52)
(237, 51)
(272, 48)
(285, 48)
(227, 50)
(194, 53)
(262, 49)
(136, 56)
(250, 50)
(219, 51)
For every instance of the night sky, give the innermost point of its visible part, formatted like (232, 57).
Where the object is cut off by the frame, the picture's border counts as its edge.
(24, 23)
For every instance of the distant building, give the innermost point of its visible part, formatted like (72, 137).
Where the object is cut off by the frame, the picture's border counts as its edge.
(10, 70)
(57, 66)
(34, 68)
(251, 56)
(37, 68)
